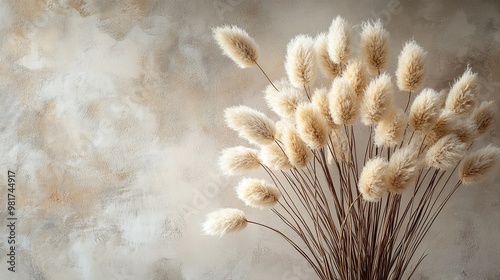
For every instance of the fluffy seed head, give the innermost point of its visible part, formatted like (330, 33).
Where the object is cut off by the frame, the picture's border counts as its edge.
(274, 156)
(339, 42)
(300, 61)
(237, 45)
(463, 93)
(411, 67)
(297, 151)
(356, 74)
(442, 127)
(239, 160)
(372, 181)
(285, 102)
(482, 117)
(446, 152)
(344, 103)
(465, 130)
(402, 169)
(312, 126)
(377, 100)
(329, 68)
(224, 221)
(320, 102)
(374, 45)
(250, 124)
(257, 193)
(424, 110)
(477, 165)
(390, 129)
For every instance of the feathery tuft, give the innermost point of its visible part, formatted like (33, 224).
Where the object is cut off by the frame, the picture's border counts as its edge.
(274, 156)
(285, 102)
(329, 68)
(402, 169)
(312, 126)
(344, 103)
(237, 45)
(239, 160)
(411, 67)
(446, 152)
(424, 111)
(482, 117)
(465, 130)
(477, 165)
(389, 131)
(224, 221)
(356, 74)
(258, 193)
(374, 45)
(339, 42)
(377, 100)
(320, 102)
(442, 127)
(463, 93)
(296, 149)
(372, 181)
(250, 124)
(300, 61)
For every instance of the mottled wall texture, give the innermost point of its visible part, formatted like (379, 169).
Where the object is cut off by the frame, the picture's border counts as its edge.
(111, 118)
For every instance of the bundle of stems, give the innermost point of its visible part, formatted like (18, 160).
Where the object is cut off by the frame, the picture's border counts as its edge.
(356, 207)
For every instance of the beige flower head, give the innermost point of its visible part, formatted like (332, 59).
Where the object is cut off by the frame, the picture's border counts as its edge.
(296, 149)
(424, 111)
(389, 132)
(274, 156)
(300, 61)
(344, 102)
(320, 102)
(237, 45)
(411, 67)
(446, 152)
(462, 94)
(402, 169)
(239, 160)
(477, 165)
(356, 74)
(329, 68)
(258, 193)
(339, 41)
(372, 181)
(285, 102)
(377, 100)
(224, 221)
(483, 116)
(312, 126)
(374, 45)
(250, 124)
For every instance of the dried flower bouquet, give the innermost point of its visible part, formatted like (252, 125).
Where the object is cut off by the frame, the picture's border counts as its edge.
(357, 208)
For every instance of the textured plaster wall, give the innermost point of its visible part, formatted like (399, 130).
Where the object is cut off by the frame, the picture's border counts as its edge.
(111, 116)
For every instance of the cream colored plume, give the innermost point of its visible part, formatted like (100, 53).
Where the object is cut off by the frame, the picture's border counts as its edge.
(372, 181)
(320, 102)
(312, 126)
(274, 156)
(344, 103)
(340, 146)
(424, 111)
(462, 94)
(402, 169)
(465, 130)
(258, 193)
(442, 127)
(285, 102)
(329, 68)
(483, 116)
(250, 124)
(446, 152)
(411, 67)
(377, 100)
(374, 45)
(339, 42)
(477, 165)
(239, 160)
(356, 74)
(300, 61)
(237, 45)
(281, 126)
(389, 132)
(296, 149)
(224, 221)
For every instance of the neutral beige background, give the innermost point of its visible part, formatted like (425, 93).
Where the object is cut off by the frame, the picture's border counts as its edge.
(111, 116)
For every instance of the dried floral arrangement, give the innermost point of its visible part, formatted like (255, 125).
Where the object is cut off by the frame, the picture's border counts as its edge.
(356, 208)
